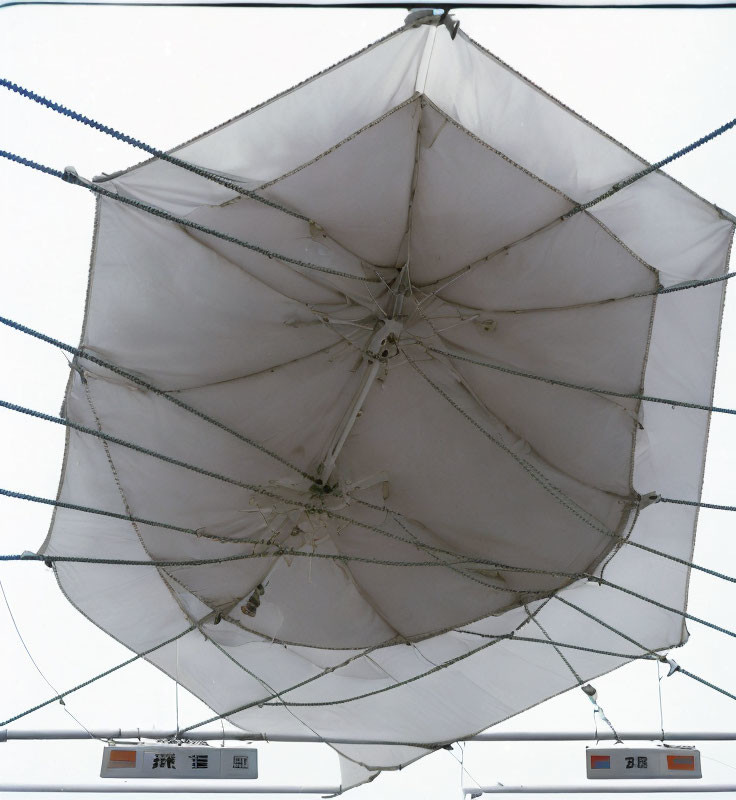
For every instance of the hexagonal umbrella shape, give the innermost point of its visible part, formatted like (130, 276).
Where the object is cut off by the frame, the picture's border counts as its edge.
(399, 400)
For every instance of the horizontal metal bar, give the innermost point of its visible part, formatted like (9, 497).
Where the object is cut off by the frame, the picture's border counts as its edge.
(212, 734)
(585, 736)
(152, 788)
(634, 788)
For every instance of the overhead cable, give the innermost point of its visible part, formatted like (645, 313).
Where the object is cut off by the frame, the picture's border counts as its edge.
(278, 550)
(697, 504)
(617, 187)
(563, 499)
(579, 386)
(70, 176)
(275, 553)
(144, 384)
(257, 489)
(706, 683)
(375, 4)
(154, 151)
(81, 353)
(161, 154)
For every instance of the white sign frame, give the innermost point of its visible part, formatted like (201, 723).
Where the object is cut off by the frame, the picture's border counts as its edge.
(183, 762)
(642, 762)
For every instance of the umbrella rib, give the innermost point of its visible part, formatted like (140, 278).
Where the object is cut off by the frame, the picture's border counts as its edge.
(583, 388)
(412, 193)
(256, 373)
(311, 276)
(623, 245)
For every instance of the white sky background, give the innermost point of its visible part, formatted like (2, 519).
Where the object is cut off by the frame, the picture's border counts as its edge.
(655, 80)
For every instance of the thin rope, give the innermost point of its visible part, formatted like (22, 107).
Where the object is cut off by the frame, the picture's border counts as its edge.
(461, 762)
(269, 688)
(578, 386)
(672, 610)
(659, 692)
(527, 466)
(650, 654)
(696, 504)
(617, 187)
(161, 154)
(555, 644)
(35, 664)
(97, 677)
(265, 492)
(585, 613)
(590, 695)
(450, 662)
(279, 551)
(707, 683)
(73, 178)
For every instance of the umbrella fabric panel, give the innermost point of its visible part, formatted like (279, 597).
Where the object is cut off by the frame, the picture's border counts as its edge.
(470, 200)
(517, 118)
(260, 146)
(296, 239)
(430, 152)
(340, 187)
(570, 263)
(670, 227)
(179, 313)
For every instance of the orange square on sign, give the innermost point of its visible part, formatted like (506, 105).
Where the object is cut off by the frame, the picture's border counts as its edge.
(681, 762)
(122, 758)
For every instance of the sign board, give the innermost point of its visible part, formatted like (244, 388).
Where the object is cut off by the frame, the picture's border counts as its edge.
(168, 761)
(643, 762)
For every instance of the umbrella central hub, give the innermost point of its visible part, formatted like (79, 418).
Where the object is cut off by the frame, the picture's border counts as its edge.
(384, 342)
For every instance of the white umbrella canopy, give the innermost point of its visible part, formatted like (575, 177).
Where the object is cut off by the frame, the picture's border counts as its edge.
(390, 505)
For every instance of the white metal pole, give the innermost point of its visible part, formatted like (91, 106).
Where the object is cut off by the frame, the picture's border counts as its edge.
(205, 734)
(152, 788)
(587, 789)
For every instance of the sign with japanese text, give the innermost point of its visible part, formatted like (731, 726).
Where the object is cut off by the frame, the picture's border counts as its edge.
(643, 762)
(169, 761)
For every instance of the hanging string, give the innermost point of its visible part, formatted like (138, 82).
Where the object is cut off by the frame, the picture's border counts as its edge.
(38, 669)
(659, 691)
(92, 680)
